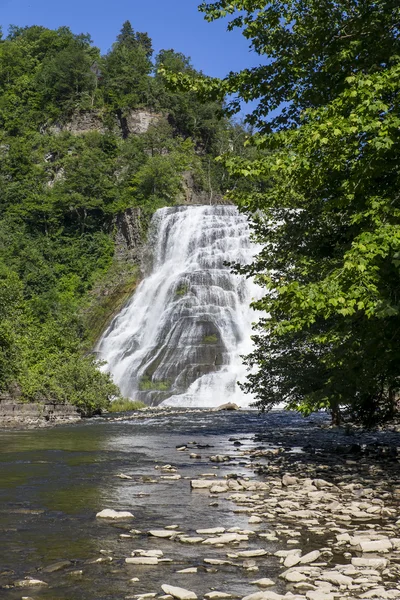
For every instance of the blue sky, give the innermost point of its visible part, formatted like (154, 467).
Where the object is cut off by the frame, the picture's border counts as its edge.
(170, 23)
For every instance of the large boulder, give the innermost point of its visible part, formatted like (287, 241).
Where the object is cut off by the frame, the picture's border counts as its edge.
(227, 406)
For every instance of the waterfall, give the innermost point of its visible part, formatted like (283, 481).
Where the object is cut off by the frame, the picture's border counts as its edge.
(180, 337)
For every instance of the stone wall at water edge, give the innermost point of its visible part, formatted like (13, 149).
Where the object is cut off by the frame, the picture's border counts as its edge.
(26, 415)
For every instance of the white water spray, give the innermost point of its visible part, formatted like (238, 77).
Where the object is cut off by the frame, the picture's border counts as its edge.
(180, 338)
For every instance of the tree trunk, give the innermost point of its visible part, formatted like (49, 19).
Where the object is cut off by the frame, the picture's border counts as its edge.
(336, 416)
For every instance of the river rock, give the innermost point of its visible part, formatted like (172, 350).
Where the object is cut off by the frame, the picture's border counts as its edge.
(30, 582)
(252, 553)
(186, 539)
(123, 476)
(321, 484)
(255, 519)
(293, 576)
(199, 484)
(189, 570)
(336, 578)
(264, 596)
(292, 560)
(226, 538)
(62, 564)
(380, 593)
(216, 561)
(219, 489)
(108, 513)
(264, 582)
(227, 406)
(373, 563)
(310, 557)
(289, 480)
(211, 531)
(219, 458)
(217, 595)
(319, 595)
(179, 593)
(148, 553)
(375, 545)
(142, 560)
(162, 533)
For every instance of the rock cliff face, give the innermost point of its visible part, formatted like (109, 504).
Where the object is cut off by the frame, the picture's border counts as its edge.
(138, 121)
(135, 122)
(130, 226)
(192, 194)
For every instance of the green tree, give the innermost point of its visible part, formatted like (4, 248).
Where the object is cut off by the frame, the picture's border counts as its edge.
(323, 196)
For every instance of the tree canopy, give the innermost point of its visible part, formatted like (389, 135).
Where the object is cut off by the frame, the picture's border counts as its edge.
(322, 193)
(62, 186)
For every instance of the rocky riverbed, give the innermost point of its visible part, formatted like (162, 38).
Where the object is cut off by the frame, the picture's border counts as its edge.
(295, 510)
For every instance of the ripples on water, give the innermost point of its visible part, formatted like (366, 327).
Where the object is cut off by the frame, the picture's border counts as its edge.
(54, 481)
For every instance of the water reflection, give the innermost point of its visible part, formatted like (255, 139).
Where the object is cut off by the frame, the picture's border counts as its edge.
(52, 483)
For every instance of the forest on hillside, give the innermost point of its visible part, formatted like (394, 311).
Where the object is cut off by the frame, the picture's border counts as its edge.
(61, 190)
(317, 171)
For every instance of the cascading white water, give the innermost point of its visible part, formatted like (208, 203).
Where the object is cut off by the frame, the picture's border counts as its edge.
(180, 338)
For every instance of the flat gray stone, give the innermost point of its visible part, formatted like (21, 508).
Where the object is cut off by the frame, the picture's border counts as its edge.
(179, 593)
(108, 513)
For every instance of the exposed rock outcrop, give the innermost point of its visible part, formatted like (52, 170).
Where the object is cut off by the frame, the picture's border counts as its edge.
(136, 121)
(193, 194)
(129, 236)
(26, 415)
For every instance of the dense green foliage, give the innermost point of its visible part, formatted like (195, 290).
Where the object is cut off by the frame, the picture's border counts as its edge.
(324, 196)
(63, 183)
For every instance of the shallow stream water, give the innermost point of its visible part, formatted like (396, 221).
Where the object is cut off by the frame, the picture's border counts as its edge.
(54, 481)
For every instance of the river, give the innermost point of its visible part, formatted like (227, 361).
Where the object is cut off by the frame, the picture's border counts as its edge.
(54, 481)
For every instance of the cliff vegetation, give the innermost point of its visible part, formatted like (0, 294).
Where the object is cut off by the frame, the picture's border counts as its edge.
(85, 137)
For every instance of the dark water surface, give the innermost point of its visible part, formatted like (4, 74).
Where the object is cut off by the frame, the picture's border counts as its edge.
(54, 481)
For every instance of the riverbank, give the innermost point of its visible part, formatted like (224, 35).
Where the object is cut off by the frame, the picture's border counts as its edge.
(296, 510)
